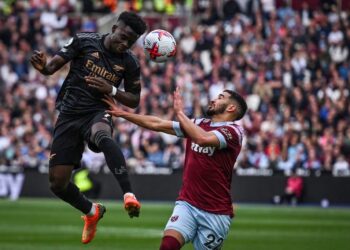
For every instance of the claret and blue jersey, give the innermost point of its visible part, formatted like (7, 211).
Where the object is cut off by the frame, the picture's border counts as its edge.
(208, 170)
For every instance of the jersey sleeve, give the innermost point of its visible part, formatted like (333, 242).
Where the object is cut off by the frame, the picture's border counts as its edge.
(229, 136)
(70, 50)
(177, 128)
(179, 131)
(132, 82)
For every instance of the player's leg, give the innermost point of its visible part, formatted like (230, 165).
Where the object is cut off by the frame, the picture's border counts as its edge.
(66, 152)
(101, 136)
(212, 230)
(62, 187)
(181, 227)
(172, 240)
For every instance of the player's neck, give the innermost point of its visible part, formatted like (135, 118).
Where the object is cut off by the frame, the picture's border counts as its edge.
(221, 118)
(106, 42)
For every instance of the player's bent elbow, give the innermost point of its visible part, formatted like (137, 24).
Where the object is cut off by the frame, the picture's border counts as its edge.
(134, 104)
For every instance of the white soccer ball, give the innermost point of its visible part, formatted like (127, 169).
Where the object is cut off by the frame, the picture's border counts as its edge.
(159, 45)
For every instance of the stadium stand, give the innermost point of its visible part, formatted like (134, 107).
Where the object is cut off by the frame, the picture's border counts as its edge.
(290, 62)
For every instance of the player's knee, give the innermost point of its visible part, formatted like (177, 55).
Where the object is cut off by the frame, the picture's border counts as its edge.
(169, 243)
(99, 136)
(57, 185)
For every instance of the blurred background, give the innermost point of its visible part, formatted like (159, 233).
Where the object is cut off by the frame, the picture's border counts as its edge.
(289, 59)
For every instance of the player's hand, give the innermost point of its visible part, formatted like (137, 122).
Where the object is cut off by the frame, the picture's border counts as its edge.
(114, 109)
(99, 83)
(178, 105)
(38, 60)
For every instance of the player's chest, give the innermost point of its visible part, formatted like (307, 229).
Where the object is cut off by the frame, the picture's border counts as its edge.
(96, 63)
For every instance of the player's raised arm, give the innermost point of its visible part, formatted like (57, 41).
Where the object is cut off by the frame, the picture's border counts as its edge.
(146, 121)
(39, 62)
(197, 134)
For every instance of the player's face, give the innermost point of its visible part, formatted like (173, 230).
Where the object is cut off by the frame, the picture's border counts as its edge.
(122, 38)
(219, 105)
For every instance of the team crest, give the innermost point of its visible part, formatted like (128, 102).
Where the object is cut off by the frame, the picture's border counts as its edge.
(226, 132)
(174, 218)
(118, 68)
(106, 116)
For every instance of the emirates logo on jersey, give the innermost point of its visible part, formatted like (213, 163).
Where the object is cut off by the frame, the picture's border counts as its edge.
(174, 218)
(202, 150)
(101, 71)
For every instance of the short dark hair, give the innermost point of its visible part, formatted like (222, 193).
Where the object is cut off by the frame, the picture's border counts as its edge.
(242, 105)
(134, 21)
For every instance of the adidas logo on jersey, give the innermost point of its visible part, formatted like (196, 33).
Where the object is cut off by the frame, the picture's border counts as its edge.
(203, 150)
(96, 55)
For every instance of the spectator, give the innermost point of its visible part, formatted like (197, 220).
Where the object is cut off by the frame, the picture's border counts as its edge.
(293, 190)
(294, 65)
(341, 164)
(284, 163)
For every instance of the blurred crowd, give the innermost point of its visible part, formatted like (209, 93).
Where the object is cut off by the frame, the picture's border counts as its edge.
(291, 65)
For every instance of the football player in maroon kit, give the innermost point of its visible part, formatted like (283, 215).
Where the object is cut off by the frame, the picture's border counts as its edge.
(203, 211)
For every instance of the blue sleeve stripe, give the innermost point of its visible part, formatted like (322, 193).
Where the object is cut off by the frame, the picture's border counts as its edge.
(221, 138)
(177, 129)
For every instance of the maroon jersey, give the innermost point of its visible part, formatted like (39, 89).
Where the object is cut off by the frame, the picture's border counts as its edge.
(208, 170)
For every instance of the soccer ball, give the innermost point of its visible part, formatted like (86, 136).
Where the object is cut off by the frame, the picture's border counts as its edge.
(159, 45)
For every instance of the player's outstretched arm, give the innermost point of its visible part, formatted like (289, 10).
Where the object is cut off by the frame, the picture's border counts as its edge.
(39, 62)
(146, 121)
(196, 133)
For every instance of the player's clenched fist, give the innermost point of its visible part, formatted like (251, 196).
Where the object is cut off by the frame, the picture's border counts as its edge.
(38, 60)
(99, 83)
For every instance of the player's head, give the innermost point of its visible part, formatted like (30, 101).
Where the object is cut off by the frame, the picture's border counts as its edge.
(229, 102)
(125, 32)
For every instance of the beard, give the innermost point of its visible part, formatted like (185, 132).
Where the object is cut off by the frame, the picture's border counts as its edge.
(216, 111)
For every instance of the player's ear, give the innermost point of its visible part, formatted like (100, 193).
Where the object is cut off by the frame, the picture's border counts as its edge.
(231, 108)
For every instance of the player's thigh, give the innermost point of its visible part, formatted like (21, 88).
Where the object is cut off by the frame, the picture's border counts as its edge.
(68, 145)
(183, 221)
(212, 231)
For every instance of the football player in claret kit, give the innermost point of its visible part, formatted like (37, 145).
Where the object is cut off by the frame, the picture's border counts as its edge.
(99, 64)
(203, 211)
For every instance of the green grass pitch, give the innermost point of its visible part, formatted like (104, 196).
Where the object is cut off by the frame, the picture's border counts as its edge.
(42, 224)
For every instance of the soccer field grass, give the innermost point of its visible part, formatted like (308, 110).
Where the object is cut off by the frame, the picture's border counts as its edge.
(51, 224)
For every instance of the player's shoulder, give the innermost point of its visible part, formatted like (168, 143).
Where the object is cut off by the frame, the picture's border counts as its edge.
(88, 36)
(235, 129)
(201, 121)
(228, 128)
(87, 39)
(131, 59)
